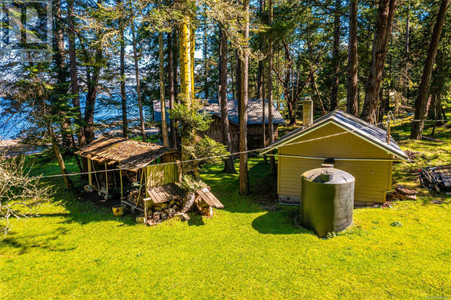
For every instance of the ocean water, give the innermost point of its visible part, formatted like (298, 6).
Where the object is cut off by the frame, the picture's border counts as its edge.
(107, 109)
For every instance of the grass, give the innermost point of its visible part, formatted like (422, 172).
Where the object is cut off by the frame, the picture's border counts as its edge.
(77, 249)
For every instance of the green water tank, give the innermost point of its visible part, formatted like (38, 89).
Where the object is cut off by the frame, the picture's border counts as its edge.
(327, 200)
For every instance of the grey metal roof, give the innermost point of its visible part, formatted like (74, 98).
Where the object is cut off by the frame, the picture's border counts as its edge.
(255, 111)
(363, 129)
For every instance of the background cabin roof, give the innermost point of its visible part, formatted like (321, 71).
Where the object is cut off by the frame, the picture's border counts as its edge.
(131, 155)
(365, 130)
(255, 111)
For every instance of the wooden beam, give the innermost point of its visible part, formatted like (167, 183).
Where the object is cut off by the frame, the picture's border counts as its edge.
(89, 172)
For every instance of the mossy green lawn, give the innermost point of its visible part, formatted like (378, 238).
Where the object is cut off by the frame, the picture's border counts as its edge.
(76, 248)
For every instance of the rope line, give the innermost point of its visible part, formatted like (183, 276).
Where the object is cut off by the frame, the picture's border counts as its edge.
(236, 153)
(211, 157)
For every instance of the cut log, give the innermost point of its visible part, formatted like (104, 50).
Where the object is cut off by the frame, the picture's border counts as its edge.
(182, 216)
(403, 193)
(189, 202)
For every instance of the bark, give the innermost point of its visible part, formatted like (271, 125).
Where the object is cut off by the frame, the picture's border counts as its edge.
(260, 80)
(353, 100)
(123, 94)
(407, 54)
(272, 162)
(336, 57)
(61, 90)
(185, 80)
(192, 61)
(381, 40)
(74, 75)
(173, 136)
(244, 176)
(185, 57)
(238, 77)
(421, 100)
(138, 86)
(55, 146)
(229, 166)
(164, 123)
(205, 54)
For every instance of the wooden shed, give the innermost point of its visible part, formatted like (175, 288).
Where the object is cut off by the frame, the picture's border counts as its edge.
(128, 168)
(254, 121)
(357, 147)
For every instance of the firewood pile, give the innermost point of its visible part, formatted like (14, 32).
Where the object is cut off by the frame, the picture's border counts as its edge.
(162, 211)
(133, 198)
(436, 178)
(403, 193)
(168, 201)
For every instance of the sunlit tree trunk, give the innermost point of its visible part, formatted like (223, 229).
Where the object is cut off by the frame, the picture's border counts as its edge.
(171, 88)
(164, 124)
(244, 176)
(353, 100)
(185, 79)
(423, 91)
(229, 166)
(336, 57)
(381, 40)
(272, 161)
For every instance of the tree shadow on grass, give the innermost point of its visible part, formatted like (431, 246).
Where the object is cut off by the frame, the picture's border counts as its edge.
(46, 241)
(84, 209)
(195, 220)
(226, 186)
(281, 221)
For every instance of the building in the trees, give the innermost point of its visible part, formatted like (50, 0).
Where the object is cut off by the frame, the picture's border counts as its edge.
(254, 121)
(352, 145)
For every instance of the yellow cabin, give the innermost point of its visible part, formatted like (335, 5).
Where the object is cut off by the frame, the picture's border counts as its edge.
(352, 145)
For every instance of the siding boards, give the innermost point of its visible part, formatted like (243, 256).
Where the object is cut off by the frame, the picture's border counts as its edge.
(373, 178)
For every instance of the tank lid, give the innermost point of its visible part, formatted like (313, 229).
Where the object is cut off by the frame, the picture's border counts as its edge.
(327, 165)
(328, 176)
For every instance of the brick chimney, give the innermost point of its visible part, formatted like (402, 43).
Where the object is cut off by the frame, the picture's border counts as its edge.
(307, 112)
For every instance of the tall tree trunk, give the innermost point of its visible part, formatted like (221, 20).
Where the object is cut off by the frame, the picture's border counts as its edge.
(61, 90)
(187, 97)
(407, 50)
(122, 74)
(353, 100)
(138, 86)
(205, 53)
(244, 176)
(229, 166)
(173, 136)
(381, 40)
(74, 75)
(91, 97)
(55, 146)
(336, 57)
(260, 79)
(272, 161)
(238, 77)
(423, 91)
(192, 60)
(164, 123)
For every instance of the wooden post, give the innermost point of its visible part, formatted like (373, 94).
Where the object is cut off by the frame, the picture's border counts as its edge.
(89, 172)
(388, 130)
(106, 179)
(145, 211)
(122, 186)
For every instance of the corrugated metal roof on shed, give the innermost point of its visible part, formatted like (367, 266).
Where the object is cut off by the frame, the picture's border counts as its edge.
(351, 123)
(255, 111)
